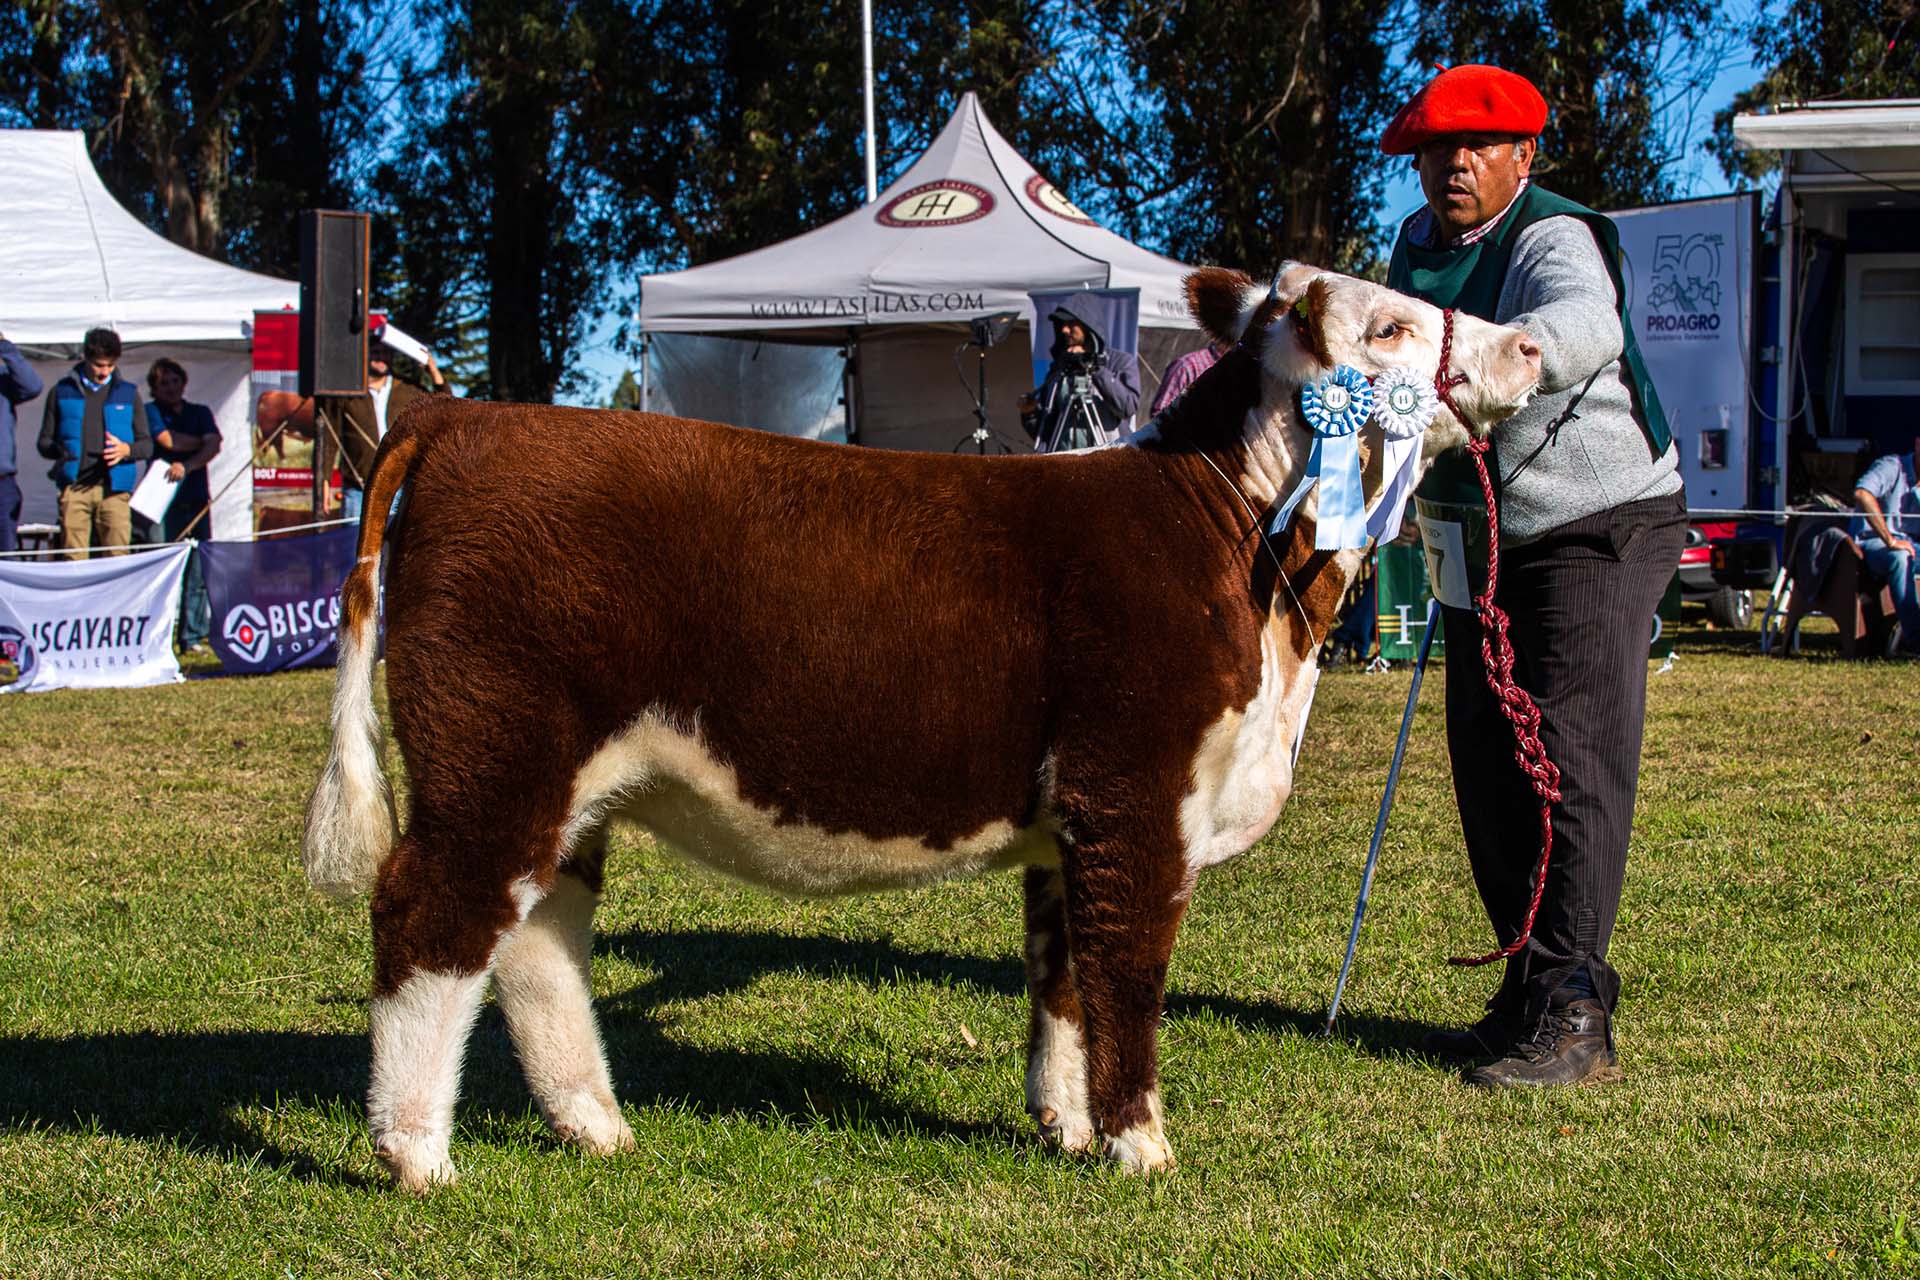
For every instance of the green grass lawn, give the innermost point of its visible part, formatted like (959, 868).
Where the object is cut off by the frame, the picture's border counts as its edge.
(833, 1088)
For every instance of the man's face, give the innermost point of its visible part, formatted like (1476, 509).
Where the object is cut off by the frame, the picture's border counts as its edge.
(377, 365)
(168, 386)
(1468, 178)
(101, 368)
(1072, 335)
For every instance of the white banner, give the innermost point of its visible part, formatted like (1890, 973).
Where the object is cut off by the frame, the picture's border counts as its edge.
(1690, 285)
(92, 624)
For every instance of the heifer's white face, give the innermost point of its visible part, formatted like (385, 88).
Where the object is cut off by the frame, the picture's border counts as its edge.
(1323, 319)
(1342, 320)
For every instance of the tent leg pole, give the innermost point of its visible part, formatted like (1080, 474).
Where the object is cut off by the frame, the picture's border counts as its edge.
(850, 387)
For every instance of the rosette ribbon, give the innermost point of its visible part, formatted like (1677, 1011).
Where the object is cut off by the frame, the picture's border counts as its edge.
(1404, 405)
(1335, 406)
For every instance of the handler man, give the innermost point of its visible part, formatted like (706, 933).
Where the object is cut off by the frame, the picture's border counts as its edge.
(1592, 518)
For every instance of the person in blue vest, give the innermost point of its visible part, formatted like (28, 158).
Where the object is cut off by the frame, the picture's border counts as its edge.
(185, 440)
(95, 433)
(1592, 517)
(18, 384)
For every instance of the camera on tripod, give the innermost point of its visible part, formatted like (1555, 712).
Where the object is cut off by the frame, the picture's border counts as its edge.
(1078, 367)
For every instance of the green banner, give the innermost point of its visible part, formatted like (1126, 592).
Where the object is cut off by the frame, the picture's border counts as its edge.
(1401, 611)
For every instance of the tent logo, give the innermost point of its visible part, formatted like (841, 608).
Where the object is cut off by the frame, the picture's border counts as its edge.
(946, 203)
(247, 632)
(1048, 197)
(18, 650)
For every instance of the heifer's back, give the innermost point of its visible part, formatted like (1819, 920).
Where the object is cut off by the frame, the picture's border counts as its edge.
(816, 667)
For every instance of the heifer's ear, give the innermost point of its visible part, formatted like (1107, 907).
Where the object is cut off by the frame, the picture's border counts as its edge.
(1292, 280)
(1218, 299)
(1309, 315)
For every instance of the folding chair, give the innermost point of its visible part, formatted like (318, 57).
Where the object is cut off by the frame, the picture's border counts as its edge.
(1859, 603)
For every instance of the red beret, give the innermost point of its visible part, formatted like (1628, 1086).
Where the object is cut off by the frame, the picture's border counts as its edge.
(1467, 99)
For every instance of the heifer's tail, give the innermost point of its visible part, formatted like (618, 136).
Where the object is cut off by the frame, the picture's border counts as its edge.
(350, 820)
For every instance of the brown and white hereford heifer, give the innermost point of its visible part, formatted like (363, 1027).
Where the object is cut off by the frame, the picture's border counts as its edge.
(823, 669)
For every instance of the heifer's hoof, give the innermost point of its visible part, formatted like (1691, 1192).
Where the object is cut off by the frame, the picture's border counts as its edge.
(418, 1162)
(593, 1124)
(1071, 1132)
(1141, 1149)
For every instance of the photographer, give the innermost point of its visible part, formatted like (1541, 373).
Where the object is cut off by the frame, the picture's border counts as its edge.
(1088, 396)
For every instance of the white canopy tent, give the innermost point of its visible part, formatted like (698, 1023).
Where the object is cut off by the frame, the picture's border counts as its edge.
(866, 313)
(75, 259)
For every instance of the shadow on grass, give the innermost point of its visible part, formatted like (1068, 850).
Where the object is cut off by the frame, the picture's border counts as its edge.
(183, 1087)
(695, 964)
(197, 1089)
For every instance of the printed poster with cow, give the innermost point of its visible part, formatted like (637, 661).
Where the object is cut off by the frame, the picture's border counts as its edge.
(282, 425)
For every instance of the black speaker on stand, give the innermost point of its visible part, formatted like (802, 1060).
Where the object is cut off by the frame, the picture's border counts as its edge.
(333, 324)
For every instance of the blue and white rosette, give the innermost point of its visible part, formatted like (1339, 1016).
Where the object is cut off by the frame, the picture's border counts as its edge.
(1404, 404)
(1336, 407)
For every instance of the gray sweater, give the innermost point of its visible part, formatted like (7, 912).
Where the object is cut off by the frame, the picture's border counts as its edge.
(1557, 466)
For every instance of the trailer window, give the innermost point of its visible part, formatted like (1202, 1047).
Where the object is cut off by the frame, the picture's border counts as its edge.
(1883, 324)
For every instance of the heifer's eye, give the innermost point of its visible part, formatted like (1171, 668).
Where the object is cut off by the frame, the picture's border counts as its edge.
(1388, 329)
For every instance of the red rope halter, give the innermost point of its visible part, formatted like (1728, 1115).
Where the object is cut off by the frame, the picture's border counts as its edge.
(1496, 653)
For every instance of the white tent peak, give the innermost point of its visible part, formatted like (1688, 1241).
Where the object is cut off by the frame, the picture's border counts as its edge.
(970, 228)
(76, 258)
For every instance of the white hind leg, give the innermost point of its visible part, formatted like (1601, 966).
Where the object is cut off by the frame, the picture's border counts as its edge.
(1056, 1039)
(542, 984)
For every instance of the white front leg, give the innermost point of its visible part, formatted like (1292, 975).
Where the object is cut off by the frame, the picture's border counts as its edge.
(419, 1040)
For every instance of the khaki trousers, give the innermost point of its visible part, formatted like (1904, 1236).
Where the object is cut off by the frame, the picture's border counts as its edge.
(90, 516)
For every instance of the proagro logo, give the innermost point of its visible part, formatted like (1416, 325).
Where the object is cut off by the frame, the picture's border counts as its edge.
(1684, 297)
(18, 650)
(296, 628)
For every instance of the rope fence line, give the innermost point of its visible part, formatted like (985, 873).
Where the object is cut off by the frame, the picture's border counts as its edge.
(61, 553)
(50, 553)
(1817, 513)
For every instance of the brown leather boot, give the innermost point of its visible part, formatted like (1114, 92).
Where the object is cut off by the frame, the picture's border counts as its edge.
(1490, 1037)
(1571, 1044)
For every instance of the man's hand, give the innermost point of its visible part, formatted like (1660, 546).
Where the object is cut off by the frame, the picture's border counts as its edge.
(1901, 544)
(177, 472)
(115, 451)
(433, 371)
(1028, 404)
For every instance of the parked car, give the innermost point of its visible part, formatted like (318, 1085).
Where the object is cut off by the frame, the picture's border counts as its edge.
(1722, 569)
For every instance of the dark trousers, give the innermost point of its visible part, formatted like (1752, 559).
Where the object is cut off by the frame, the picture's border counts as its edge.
(1356, 628)
(1582, 600)
(9, 513)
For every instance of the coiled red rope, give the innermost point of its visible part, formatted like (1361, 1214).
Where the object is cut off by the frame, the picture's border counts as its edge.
(1496, 654)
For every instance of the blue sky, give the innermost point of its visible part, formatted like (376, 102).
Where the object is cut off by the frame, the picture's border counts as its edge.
(1698, 175)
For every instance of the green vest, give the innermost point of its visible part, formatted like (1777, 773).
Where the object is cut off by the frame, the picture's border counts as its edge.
(1470, 279)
